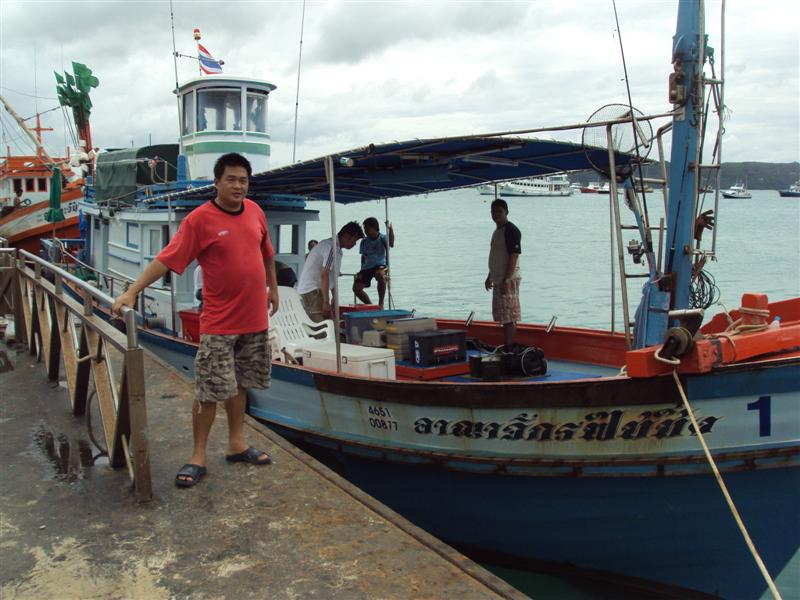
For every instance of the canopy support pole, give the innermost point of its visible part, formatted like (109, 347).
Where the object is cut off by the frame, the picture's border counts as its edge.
(388, 261)
(173, 308)
(335, 271)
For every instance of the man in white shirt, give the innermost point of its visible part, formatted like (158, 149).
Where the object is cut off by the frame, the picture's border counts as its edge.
(317, 279)
(198, 287)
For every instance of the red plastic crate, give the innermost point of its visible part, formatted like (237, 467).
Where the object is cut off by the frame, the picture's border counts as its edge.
(190, 319)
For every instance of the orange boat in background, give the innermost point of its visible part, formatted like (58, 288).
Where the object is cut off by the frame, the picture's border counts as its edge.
(25, 193)
(22, 220)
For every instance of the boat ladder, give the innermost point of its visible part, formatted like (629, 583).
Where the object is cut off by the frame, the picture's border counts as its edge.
(634, 199)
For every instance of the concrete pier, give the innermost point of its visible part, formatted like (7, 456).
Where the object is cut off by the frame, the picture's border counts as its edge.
(71, 528)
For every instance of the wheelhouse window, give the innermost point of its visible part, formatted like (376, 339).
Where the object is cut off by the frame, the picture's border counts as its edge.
(188, 113)
(30, 185)
(219, 110)
(42, 181)
(155, 241)
(287, 239)
(257, 110)
(132, 235)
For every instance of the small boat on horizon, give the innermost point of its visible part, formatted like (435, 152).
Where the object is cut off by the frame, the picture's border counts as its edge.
(792, 192)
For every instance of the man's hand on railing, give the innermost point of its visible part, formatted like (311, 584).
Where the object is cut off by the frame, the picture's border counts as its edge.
(152, 272)
(125, 299)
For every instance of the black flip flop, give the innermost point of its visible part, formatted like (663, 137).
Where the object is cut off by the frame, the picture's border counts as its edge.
(251, 455)
(194, 472)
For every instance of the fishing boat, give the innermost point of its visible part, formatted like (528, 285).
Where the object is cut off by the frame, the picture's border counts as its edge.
(606, 189)
(25, 182)
(792, 192)
(597, 463)
(737, 190)
(591, 188)
(551, 185)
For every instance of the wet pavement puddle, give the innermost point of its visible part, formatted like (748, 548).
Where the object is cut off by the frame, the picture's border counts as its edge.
(70, 459)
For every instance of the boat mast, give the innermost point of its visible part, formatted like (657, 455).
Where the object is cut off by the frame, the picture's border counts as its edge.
(687, 93)
(671, 290)
(37, 141)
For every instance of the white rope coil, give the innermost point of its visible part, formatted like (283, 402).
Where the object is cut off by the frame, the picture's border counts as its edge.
(737, 327)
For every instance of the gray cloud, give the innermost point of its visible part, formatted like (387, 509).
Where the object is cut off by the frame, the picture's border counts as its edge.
(376, 71)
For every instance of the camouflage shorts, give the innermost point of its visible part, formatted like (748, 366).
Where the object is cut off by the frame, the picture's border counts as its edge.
(224, 362)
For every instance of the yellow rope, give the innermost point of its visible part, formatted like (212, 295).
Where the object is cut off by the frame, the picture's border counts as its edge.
(770, 583)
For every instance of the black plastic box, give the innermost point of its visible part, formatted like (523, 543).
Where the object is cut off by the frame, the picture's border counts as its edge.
(437, 347)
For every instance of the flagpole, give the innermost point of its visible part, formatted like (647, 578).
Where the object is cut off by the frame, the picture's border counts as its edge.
(197, 41)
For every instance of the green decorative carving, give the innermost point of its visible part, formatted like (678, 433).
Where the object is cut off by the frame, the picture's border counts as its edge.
(73, 91)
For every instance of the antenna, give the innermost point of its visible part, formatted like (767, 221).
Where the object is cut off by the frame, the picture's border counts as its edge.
(175, 63)
(297, 95)
(35, 87)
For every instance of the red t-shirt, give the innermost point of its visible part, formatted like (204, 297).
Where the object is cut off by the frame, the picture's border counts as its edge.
(231, 249)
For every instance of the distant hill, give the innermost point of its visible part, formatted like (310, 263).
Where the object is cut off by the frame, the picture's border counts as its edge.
(761, 176)
(758, 175)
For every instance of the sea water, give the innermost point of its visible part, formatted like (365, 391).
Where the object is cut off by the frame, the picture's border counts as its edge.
(439, 262)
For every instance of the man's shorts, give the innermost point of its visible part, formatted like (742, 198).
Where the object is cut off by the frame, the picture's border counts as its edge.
(312, 303)
(224, 362)
(505, 306)
(365, 275)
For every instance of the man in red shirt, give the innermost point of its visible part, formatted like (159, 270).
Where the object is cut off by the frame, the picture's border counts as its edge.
(229, 238)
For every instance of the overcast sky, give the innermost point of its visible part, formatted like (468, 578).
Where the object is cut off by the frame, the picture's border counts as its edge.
(381, 71)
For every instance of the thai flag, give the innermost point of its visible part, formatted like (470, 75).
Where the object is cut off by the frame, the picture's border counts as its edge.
(208, 64)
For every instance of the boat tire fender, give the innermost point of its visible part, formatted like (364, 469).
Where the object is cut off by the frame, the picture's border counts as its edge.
(677, 342)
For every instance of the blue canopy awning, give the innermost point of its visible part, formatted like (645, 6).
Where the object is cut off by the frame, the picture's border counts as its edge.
(421, 166)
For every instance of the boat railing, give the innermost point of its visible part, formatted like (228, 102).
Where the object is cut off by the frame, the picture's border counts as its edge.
(60, 329)
(113, 283)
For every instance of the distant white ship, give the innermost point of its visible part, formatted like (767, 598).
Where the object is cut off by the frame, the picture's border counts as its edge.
(739, 190)
(550, 185)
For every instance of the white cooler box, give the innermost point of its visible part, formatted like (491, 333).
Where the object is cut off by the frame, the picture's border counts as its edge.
(364, 361)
